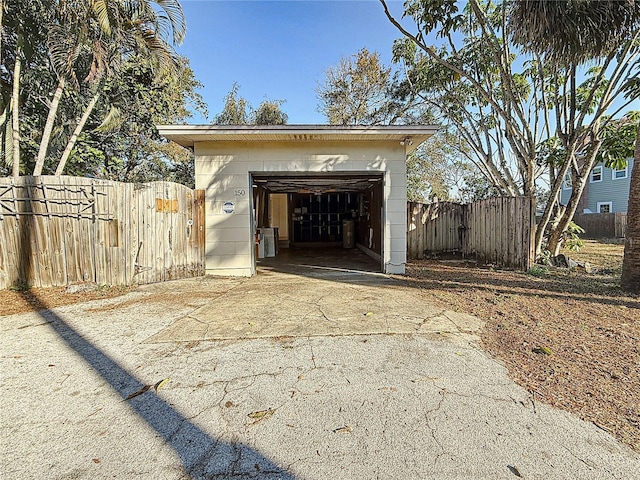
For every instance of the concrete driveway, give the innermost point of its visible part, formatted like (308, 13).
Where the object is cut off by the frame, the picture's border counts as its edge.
(338, 374)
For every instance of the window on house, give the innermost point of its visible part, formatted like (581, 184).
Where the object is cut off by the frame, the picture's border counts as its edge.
(596, 174)
(605, 207)
(618, 174)
(566, 183)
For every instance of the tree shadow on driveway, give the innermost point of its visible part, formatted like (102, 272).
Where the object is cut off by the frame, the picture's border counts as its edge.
(201, 455)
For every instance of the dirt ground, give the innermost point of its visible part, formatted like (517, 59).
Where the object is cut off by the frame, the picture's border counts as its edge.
(570, 338)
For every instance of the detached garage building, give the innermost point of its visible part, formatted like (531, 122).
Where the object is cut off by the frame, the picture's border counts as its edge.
(316, 184)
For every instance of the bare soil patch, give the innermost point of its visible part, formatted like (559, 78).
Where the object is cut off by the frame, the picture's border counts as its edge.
(21, 300)
(570, 338)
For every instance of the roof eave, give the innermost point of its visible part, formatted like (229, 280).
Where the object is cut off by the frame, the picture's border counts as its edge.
(188, 135)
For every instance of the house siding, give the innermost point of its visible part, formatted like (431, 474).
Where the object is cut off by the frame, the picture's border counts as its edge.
(608, 190)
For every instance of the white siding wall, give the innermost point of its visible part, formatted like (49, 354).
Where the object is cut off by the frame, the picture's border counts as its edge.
(222, 169)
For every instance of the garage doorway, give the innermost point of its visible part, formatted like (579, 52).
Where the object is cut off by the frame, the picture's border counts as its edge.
(328, 219)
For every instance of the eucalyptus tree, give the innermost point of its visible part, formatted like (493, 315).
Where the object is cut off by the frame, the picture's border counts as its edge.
(520, 114)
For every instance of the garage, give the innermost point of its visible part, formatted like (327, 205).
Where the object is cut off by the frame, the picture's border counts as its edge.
(275, 190)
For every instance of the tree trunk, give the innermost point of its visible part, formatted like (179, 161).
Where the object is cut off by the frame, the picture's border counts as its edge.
(557, 230)
(15, 112)
(549, 209)
(74, 137)
(631, 264)
(48, 128)
(1, 29)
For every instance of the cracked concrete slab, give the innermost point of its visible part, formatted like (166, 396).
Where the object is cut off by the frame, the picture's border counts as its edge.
(328, 303)
(418, 404)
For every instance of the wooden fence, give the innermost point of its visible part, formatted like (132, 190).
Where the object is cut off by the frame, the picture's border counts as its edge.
(497, 230)
(602, 225)
(56, 231)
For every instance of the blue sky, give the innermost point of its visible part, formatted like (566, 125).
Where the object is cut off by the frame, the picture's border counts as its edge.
(279, 49)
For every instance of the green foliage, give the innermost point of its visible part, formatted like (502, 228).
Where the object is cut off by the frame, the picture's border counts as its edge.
(238, 111)
(119, 53)
(619, 137)
(572, 240)
(20, 287)
(436, 169)
(360, 90)
(537, 271)
(476, 187)
(235, 111)
(269, 113)
(545, 257)
(524, 114)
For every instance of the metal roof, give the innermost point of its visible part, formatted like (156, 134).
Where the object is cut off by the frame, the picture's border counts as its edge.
(187, 135)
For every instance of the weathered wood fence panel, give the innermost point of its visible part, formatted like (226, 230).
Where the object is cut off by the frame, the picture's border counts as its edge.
(602, 225)
(497, 230)
(61, 230)
(434, 227)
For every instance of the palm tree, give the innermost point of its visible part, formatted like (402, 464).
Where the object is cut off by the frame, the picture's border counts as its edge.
(572, 32)
(631, 264)
(100, 37)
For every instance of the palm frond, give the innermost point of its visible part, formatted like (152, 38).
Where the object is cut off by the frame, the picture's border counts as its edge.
(174, 12)
(112, 120)
(573, 30)
(101, 10)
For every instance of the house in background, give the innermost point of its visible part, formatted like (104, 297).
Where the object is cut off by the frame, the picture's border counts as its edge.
(606, 191)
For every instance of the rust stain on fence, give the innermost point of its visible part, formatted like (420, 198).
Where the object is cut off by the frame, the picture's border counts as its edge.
(59, 230)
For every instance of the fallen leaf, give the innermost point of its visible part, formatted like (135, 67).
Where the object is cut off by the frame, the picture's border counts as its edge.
(368, 314)
(424, 379)
(541, 349)
(96, 460)
(260, 415)
(161, 383)
(391, 389)
(229, 404)
(514, 470)
(345, 429)
(139, 392)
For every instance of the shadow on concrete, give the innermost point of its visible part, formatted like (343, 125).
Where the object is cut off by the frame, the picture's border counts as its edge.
(331, 263)
(202, 456)
(353, 266)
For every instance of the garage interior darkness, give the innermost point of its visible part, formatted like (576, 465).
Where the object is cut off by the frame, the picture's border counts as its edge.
(321, 211)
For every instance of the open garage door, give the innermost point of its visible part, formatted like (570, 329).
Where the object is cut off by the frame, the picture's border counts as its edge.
(320, 216)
